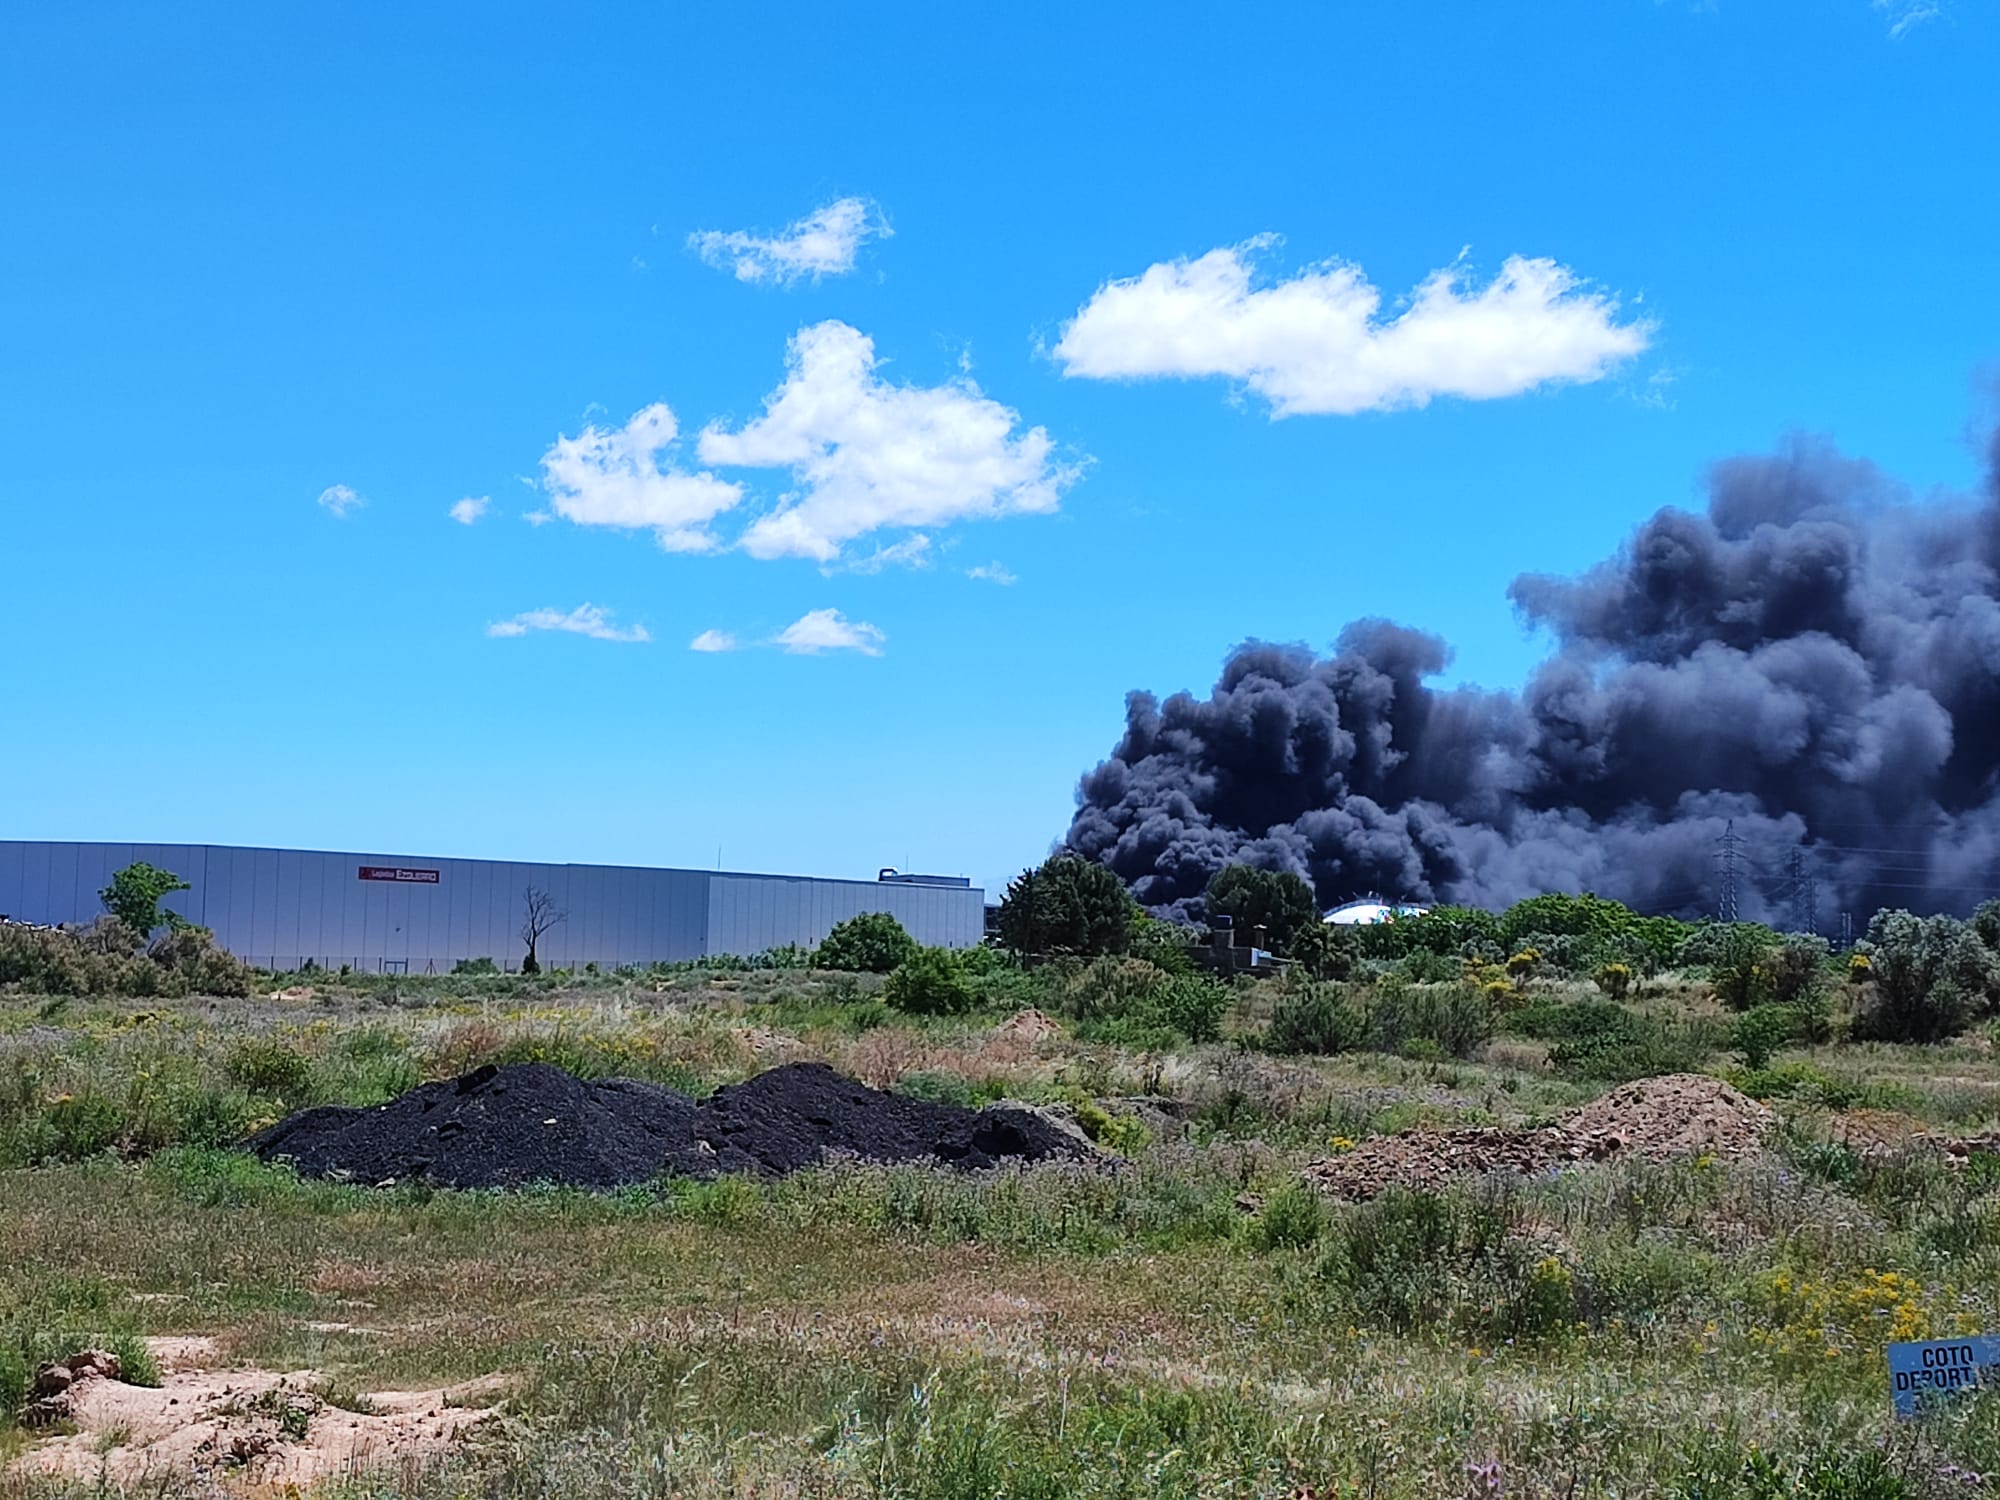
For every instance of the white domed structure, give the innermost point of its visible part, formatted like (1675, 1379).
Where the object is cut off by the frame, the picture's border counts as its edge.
(1369, 911)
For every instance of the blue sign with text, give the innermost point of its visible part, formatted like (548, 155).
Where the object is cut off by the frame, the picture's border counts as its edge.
(1920, 1374)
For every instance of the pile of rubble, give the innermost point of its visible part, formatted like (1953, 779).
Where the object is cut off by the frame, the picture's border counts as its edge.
(1657, 1119)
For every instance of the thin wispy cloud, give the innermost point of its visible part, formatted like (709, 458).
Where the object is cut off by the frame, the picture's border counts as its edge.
(337, 500)
(819, 631)
(468, 511)
(585, 620)
(914, 551)
(1317, 343)
(866, 455)
(1905, 16)
(824, 243)
(624, 477)
(713, 640)
(994, 572)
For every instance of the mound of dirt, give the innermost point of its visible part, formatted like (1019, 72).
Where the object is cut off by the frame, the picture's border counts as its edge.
(1656, 1119)
(504, 1127)
(1680, 1114)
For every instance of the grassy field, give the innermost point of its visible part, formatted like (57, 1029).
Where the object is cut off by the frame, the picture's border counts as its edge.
(1192, 1322)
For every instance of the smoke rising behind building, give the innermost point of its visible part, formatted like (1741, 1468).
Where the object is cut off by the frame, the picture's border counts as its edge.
(1815, 660)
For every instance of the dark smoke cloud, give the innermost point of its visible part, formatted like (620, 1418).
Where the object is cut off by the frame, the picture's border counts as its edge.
(1816, 659)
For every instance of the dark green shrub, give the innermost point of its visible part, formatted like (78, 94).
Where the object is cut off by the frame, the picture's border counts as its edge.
(1194, 1005)
(1456, 1019)
(872, 943)
(1425, 967)
(1316, 1019)
(929, 982)
(1168, 946)
(194, 965)
(1129, 1000)
(1292, 1217)
(1759, 1033)
(475, 966)
(937, 1086)
(1598, 1040)
(1326, 950)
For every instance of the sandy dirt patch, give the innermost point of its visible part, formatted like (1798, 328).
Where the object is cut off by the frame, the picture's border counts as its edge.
(244, 1428)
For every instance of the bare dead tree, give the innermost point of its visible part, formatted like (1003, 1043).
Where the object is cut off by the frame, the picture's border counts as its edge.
(539, 913)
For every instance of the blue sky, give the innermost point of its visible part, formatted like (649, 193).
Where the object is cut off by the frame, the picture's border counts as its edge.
(261, 260)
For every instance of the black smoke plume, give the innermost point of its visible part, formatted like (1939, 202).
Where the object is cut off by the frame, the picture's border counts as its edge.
(1816, 660)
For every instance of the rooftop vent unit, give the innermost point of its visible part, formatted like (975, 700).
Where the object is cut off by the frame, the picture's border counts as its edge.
(889, 875)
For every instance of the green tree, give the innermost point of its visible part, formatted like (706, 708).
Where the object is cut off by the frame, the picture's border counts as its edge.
(872, 943)
(134, 897)
(1070, 905)
(1276, 900)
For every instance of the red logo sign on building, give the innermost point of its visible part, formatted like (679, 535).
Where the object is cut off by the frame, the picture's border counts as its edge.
(400, 874)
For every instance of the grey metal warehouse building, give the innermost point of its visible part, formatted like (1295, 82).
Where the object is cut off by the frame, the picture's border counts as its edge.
(402, 913)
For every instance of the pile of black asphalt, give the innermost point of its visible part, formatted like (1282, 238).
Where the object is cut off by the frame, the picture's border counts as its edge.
(531, 1123)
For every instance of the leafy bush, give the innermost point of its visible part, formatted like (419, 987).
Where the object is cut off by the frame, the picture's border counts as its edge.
(1615, 980)
(937, 1086)
(1165, 945)
(265, 1065)
(1598, 1040)
(1292, 1217)
(1425, 967)
(930, 982)
(88, 961)
(1759, 1033)
(475, 966)
(1276, 900)
(196, 966)
(1317, 1019)
(1193, 1005)
(1456, 1019)
(872, 943)
(1932, 976)
(1325, 950)
(1070, 905)
(1130, 1000)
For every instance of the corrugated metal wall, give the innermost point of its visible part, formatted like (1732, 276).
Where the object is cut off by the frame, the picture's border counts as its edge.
(278, 907)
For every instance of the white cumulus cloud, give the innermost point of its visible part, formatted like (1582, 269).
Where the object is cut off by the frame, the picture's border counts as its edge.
(822, 630)
(868, 455)
(338, 500)
(623, 477)
(823, 243)
(713, 640)
(998, 573)
(585, 619)
(470, 509)
(1317, 343)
